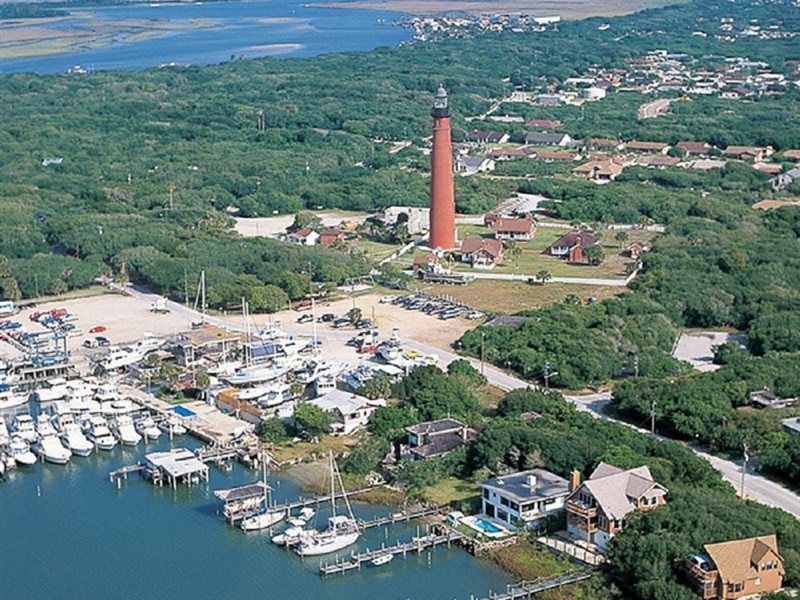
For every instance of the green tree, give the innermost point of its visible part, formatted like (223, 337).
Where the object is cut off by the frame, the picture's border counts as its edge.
(543, 276)
(312, 420)
(354, 315)
(376, 387)
(9, 289)
(595, 255)
(621, 237)
(272, 430)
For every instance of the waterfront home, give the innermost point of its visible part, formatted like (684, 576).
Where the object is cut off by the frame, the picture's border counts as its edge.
(736, 569)
(437, 438)
(175, 466)
(350, 412)
(572, 246)
(210, 342)
(524, 497)
(597, 509)
(481, 254)
(513, 228)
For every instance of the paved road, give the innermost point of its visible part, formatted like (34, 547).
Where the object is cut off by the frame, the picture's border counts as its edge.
(758, 487)
(654, 109)
(574, 280)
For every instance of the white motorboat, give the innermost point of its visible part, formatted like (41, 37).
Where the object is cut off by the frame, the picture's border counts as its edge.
(20, 451)
(265, 517)
(289, 537)
(302, 519)
(49, 445)
(100, 434)
(52, 390)
(121, 357)
(11, 399)
(172, 426)
(4, 437)
(106, 392)
(147, 427)
(381, 560)
(126, 432)
(342, 531)
(117, 407)
(23, 426)
(148, 344)
(74, 439)
(80, 397)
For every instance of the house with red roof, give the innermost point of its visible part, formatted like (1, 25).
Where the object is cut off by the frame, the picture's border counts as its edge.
(572, 246)
(331, 236)
(481, 253)
(513, 228)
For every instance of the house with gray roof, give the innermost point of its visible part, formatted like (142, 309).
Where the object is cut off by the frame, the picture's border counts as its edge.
(598, 508)
(549, 139)
(349, 412)
(437, 438)
(522, 498)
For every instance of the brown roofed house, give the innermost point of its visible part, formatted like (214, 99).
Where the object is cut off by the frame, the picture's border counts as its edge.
(437, 438)
(636, 146)
(604, 144)
(658, 161)
(548, 155)
(597, 509)
(331, 236)
(694, 148)
(513, 228)
(426, 260)
(791, 154)
(754, 153)
(599, 170)
(737, 569)
(572, 246)
(481, 253)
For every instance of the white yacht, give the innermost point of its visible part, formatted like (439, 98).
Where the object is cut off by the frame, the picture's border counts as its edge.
(256, 374)
(4, 437)
(23, 425)
(20, 451)
(290, 537)
(172, 426)
(11, 399)
(80, 397)
(53, 389)
(120, 357)
(342, 531)
(148, 344)
(147, 427)
(266, 516)
(74, 439)
(106, 392)
(126, 432)
(121, 406)
(49, 445)
(100, 434)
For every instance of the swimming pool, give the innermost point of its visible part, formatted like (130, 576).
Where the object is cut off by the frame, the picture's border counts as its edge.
(486, 526)
(182, 411)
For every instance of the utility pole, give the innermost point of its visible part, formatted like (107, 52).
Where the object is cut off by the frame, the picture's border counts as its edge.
(171, 188)
(636, 364)
(547, 375)
(746, 457)
(653, 417)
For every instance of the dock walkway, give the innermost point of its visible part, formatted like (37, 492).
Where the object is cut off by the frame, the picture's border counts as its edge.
(418, 544)
(402, 517)
(527, 589)
(304, 502)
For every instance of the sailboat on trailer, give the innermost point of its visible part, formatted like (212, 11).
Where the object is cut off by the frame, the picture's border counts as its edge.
(342, 530)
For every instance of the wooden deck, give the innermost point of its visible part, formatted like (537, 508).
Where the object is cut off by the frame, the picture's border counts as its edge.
(528, 589)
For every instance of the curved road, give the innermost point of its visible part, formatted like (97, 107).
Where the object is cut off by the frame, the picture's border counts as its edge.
(758, 488)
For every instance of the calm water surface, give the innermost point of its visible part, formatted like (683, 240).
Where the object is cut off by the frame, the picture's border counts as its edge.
(250, 29)
(83, 538)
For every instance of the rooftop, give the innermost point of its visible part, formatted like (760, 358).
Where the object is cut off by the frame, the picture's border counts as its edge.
(736, 560)
(616, 490)
(177, 463)
(344, 402)
(533, 484)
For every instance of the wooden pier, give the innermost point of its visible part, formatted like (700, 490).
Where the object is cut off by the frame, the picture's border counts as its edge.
(528, 589)
(416, 545)
(316, 500)
(401, 517)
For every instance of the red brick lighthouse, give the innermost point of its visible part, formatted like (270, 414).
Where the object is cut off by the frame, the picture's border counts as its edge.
(443, 203)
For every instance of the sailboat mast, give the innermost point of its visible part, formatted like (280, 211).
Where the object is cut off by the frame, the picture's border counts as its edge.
(344, 493)
(266, 485)
(333, 488)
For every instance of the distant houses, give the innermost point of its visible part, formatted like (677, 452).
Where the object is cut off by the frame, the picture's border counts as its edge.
(572, 246)
(751, 153)
(487, 137)
(599, 170)
(694, 148)
(470, 165)
(598, 508)
(637, 146)
(303, 237)
(561, 140)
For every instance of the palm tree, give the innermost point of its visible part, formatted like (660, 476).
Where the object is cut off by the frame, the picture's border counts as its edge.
(621, 237)
(543, 276)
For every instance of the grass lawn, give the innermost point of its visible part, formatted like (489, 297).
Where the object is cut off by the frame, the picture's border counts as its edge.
(489, 396)
(375, 250)
(451, 490)
(291, 451)
(509, 297)
(528, 561)
(531, 260)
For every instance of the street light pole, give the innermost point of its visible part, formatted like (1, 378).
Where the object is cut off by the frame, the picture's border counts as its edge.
(746, 456)
(483, 342)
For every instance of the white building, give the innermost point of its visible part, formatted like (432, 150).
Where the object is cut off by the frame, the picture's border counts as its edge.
(350, 411)
(416, 218)
(303, 237)
(522, 498)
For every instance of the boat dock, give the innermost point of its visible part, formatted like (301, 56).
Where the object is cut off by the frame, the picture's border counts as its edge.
(314, 501)
(416, 545)
(528, 589)
(401, 517)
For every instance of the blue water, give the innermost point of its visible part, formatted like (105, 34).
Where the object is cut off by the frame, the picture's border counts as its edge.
(66, 532)
(244, 29)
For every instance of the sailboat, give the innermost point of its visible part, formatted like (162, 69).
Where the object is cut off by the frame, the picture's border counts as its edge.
(265, 517)
(342, 530)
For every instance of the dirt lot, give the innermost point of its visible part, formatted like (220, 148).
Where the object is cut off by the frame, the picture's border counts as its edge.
(274, 226)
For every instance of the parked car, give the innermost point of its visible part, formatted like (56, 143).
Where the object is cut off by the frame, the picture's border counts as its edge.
(327, 317)
(98, 329)
(102, 341)
(305, 318)
(341, 322)
(90, 343)
(364, 324)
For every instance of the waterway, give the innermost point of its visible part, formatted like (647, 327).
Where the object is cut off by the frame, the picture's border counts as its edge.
(66, 532)
(248, 29)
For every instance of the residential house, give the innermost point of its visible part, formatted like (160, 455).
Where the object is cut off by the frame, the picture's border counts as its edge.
(211, 343)
(694, 148)
(604, 144)
(658, 161)
(635, 249)
(753, 153)
(543, 124)
(437, 438)
(572, 246)
(524, 497)
(599, 170)
(331, 236)
(425, 261)
(598, 508)
(785, 179)
(487, 137)
(791, 425)
(350, 412)
(548, 139)
(792, 155)
(737, 569)
(303, 237)
(549, 156)
(514, 228)
(768, 168)
(481, 253)
(470, 165)
(506, 153)
(767, 399)
(636, 146)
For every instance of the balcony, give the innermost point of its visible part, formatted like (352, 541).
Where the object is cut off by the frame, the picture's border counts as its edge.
(582, 510)
(704, 582)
